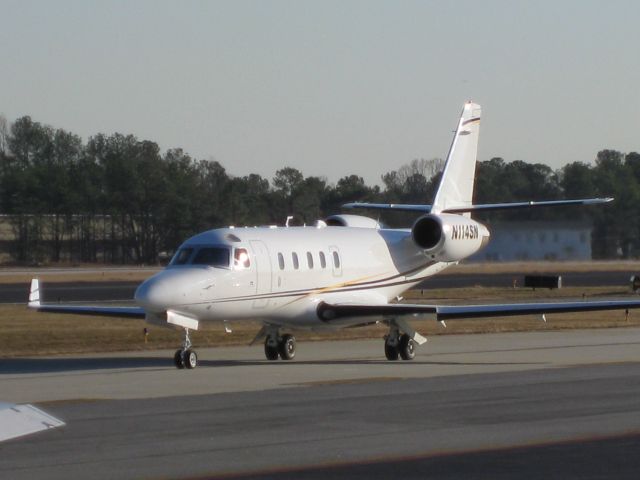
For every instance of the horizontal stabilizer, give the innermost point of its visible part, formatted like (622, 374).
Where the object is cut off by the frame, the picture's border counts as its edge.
(95, 310)
(505, 206)
(400, 207)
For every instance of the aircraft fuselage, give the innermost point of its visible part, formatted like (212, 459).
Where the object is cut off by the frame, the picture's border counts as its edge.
(281, 274)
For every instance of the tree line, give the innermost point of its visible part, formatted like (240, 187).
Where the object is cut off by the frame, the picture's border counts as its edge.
(119, 199)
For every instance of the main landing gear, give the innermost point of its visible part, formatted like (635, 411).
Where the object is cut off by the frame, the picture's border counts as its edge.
(185, 357)
(399, 345)
(276, 346)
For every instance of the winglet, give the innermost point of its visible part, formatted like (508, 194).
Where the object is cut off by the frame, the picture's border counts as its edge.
(34, 293)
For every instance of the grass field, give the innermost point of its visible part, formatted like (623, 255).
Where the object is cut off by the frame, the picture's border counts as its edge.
(25, 333)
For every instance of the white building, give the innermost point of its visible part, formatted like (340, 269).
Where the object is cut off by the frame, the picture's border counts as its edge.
(535, 240)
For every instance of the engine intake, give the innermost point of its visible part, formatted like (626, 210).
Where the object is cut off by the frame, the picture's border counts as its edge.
(427, 232)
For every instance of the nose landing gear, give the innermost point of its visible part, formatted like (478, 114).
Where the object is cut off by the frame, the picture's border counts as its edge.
(185, 357)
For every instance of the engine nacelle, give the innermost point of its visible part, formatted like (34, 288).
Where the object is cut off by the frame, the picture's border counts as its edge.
(449, 238)
(351, 221)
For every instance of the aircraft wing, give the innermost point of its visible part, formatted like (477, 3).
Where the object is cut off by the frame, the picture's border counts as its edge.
(476, 208)
(102, 311)
(328, 312)
(19, 420)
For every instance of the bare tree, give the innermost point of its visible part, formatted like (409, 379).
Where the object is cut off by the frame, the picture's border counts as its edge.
(4, 134)
(420, 166)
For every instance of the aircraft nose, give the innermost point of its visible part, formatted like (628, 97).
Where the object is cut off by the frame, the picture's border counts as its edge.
(152, 294)
(169, 288)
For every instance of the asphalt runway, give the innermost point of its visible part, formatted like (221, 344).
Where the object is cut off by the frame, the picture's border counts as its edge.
(123, 291)
(517, 405)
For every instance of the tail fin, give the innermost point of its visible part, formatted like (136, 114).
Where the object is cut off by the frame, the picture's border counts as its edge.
(455, 191)
(456, 185)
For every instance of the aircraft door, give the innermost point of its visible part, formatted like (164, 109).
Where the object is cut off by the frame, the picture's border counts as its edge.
(263, 272)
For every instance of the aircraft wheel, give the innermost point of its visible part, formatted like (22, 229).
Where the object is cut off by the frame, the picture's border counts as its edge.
(287, 347)
(269, 351)
(407, 347)
(190, 359)
(390, 351)
(178, 359)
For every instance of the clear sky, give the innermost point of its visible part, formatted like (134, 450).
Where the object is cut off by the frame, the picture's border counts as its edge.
(329, 87)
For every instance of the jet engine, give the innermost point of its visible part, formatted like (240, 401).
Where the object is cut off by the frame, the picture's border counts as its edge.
(449, 238)
(351, 221)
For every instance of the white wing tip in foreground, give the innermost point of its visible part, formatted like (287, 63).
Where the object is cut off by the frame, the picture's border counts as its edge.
(20, 420)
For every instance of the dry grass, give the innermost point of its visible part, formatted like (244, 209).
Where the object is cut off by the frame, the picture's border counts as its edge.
(24, 332)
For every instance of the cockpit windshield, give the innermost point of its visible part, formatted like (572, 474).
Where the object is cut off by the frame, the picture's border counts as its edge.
(182, 257)
(208, 256)
(212, 256)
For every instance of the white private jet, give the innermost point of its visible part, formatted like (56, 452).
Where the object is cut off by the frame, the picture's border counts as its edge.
(345, 271)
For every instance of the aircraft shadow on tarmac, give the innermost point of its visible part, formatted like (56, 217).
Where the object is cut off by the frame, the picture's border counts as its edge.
(597, 458)
(10, 366)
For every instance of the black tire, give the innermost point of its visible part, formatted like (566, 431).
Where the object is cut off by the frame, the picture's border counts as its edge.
(407, 347)
(178, 360)
(390, 351)
(287, 347)
(270, 352)
(190, 359)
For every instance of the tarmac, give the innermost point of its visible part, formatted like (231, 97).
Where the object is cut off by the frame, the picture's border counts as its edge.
(557, 404)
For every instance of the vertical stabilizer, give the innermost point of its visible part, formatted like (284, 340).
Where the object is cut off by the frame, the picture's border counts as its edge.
(456, 186)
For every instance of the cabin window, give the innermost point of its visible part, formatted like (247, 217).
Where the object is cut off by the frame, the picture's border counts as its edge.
(212, 257)
(294, 257)
(281, 261)
(323, 260)
(241, 259)
(336, 260)
(182, 257)
(310, 260)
